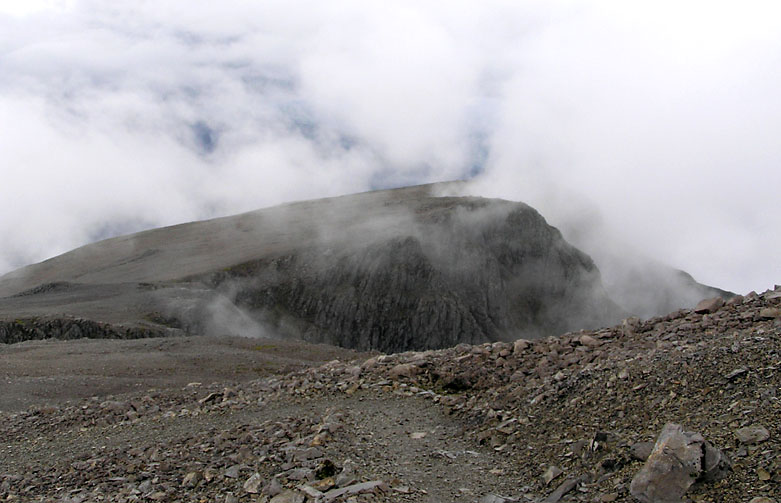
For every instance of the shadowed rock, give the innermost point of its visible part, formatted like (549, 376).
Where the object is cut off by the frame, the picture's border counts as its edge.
(390, 270)
(679, 459)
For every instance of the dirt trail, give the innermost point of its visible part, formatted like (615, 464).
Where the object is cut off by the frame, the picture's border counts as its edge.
(409, 442)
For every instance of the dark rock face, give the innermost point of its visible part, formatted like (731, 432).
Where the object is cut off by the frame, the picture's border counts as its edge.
(461, 270)
(389, 270)
(62, 328)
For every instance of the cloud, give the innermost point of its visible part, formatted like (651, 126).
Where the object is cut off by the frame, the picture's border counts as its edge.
(652, 125)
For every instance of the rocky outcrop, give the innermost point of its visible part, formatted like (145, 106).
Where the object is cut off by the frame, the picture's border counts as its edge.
(461, 270)
(27, 329)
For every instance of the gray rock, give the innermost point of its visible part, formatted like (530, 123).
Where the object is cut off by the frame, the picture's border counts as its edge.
(288, 496)
(495, 498)
(403, 370)
(363, 487)
(299, 474)
(560, 491)
(587, 340)
(678, 460)
(753, 434)
(520, 345)
(641, 450)
(233, 471)
(192, 479)
(347, 476)
(252, 485)
(211, 397)
(306, 454)
(715, 464)
(762, 499)
(709, 305)
(310, 491)
(737, 373)
(768, 313)
(145, 487)
(273, 488)
(551, 473)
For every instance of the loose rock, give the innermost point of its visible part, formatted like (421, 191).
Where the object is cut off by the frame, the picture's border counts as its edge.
(678, 460)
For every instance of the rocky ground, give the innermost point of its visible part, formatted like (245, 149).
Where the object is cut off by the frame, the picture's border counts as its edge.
(566, 418)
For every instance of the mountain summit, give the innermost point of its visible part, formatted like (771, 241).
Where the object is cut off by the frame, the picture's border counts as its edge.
(389, 270)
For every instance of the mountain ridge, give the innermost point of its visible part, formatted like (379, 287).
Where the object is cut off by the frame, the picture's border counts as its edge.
(391, 270)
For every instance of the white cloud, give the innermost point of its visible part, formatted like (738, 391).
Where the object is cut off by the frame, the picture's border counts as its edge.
(656, 123)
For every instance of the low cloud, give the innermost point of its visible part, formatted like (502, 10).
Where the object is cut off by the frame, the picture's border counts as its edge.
(654, 126)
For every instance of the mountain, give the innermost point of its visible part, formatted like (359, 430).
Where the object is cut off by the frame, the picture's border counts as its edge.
(389, 270)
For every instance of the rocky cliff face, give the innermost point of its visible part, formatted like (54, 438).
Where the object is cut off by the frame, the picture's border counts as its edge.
(458, 270)
(29, 329)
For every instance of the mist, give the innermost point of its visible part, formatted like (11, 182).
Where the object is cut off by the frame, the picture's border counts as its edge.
(637, 130)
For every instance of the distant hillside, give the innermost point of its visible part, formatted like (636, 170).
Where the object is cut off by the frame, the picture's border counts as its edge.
(389, 270)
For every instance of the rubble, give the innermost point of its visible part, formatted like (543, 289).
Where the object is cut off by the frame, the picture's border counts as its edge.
(587, 403)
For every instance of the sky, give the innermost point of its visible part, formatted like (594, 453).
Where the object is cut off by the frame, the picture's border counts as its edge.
(645, 127)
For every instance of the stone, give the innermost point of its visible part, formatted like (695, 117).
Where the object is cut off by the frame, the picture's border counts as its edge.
(715, 464)
(629, 325)
(307, 454)
(520, 345)
(361, 488)
(560, 491)
(768, 313)
(587, 340)
(753, 434)
(347, 476)
(735, 301)
(641, 450)
(737, 373)
(310, 491)
(273, 488)
(233, 472)
(762, 499)
(709, 305)
(252, 485)
(403, 370)
(299, 474)
(551, 473)
(211, 397)
(288, 496)
(678, 460)
(192, 479)
(493, 498)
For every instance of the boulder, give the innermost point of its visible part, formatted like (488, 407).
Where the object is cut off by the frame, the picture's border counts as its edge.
(709, 305)
(753, 434)
(679, 459)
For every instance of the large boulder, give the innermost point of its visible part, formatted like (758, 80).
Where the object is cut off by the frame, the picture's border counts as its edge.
(679, 459)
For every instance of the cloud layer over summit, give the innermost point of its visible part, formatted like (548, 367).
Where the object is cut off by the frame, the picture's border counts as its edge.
(657, 124)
